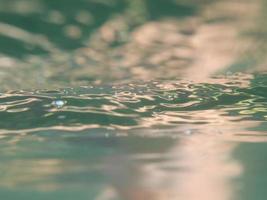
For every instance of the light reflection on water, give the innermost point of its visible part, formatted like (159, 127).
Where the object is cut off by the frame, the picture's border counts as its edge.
(158, 140)
(77, 122)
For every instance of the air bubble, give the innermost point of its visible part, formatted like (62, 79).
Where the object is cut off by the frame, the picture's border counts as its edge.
(59, 103)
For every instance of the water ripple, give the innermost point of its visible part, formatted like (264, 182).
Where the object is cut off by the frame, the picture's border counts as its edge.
(138, 105)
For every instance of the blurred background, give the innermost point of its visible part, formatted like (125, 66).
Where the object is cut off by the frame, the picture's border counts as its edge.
(47, 43)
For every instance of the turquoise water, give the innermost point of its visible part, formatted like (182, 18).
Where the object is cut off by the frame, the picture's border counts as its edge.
(133, 100)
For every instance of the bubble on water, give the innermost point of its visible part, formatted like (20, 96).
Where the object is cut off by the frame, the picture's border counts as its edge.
(59, 103)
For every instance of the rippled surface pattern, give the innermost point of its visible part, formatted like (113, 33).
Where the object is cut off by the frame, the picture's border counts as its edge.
(133, 100)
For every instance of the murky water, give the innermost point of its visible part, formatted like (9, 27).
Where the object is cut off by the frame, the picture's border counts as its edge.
(127, 100)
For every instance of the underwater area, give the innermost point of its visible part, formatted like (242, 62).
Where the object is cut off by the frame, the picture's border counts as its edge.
(133, 99)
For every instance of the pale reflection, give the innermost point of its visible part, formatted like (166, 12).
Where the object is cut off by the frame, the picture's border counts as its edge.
(216, 40)
(199, 166)
(220, 45)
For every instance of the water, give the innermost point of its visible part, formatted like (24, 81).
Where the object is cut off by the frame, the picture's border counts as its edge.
(126, 100)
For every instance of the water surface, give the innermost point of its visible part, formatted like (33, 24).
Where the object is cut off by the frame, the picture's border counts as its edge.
(110, 100)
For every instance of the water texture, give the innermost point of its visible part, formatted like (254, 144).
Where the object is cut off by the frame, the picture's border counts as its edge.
(133, 100)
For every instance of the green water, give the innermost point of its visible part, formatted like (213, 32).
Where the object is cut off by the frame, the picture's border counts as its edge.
(133, 100)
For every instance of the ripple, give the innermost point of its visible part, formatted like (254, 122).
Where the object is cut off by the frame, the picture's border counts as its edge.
(123, 107)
